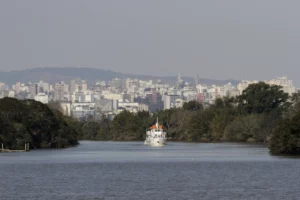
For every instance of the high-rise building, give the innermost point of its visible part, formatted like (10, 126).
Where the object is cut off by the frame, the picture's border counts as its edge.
(59, 91)
(117, 83)
(17, 87)
(170, 101)
(78, 86)
(180, 82)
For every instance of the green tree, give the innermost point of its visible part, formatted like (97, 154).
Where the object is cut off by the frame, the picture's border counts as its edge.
(262, 98)
(286, 137)
(246, 128)
(222, 118)
(192, 106)
(199, 125)
(29, 121)
(125, 126)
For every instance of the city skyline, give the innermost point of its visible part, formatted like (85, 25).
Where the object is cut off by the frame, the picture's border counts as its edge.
(111, 97)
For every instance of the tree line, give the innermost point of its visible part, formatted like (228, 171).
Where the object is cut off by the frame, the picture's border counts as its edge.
(262, 113)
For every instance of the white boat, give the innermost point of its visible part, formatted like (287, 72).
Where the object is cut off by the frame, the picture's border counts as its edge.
(155, 136)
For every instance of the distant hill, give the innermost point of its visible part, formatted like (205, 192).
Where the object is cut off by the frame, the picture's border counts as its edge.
(56, 74)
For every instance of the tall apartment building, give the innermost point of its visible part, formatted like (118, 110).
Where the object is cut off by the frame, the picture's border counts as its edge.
(170, 101)
(17, 87)
(59, 91)
(285, 83)
(78, 86)
(117, 83)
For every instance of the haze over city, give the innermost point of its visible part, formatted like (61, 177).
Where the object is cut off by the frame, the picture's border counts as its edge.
(218, 39)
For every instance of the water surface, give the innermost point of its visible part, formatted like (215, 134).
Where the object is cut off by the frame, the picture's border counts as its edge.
(130, 170)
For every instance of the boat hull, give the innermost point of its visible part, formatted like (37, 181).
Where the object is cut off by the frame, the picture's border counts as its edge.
(155, 142)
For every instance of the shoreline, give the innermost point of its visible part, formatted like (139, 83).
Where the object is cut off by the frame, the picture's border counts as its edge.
(189, 142)
(184, 141)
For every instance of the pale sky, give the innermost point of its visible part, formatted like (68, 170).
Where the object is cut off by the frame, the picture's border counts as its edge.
(220, 39)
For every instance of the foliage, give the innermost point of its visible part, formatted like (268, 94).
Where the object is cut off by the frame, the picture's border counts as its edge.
(222, 118)
(261, 112)
(245, 128)
(228, 119)
(262, 98)
(286, 138)
(32, 122)
(192, 106)
(127, 126)
(199, 125)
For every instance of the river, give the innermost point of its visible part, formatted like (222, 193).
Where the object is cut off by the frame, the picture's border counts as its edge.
(130, 170)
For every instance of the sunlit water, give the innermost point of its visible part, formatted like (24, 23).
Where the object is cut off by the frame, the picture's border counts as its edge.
(130, 170)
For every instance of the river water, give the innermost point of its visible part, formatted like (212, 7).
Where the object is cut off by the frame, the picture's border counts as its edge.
(130, 170)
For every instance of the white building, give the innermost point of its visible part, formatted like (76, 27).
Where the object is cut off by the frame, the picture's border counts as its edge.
(42, 97)
(116, 96)
(66, 108)
(170, 101)
(284, 82)
(244, 84)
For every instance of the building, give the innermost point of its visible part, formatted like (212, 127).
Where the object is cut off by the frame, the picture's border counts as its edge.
(284, 82)
(66, 108)
(83, 111)
(117, 83)
(116, 96)
(4, 93)
(180, 82)
(105, 106)
(59, 91)
(17, 87)
(42, 97)
(244, 84)
(78, 86)
(170, 101)
(3, 86)
(189, 93)
(11, 93)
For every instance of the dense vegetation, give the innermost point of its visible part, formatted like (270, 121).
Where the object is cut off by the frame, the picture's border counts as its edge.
(32, 122)
(262, 113)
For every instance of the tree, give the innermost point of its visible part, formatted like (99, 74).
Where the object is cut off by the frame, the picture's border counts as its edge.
(262, 98)
(199, 125)
(245, 129)
(126, 126)
(222, 118)
(295, 105)
(29, 121)
(286, 138)
(192, 106)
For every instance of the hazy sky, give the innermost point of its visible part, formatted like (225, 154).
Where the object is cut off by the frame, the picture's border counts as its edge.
(239, 39)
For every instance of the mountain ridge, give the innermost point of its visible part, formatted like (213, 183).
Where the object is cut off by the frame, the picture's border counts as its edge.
(66, 74)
